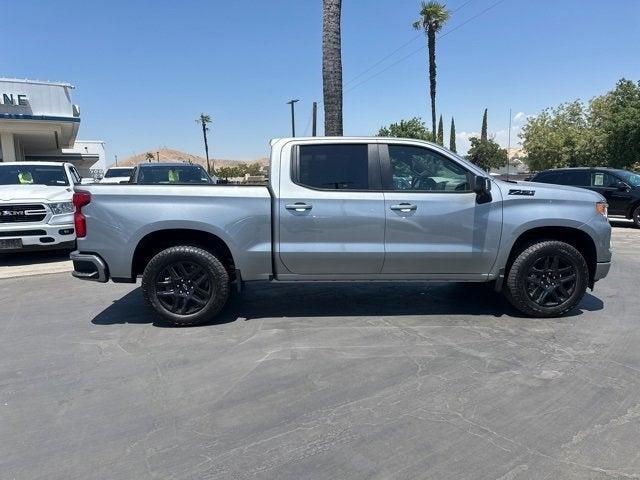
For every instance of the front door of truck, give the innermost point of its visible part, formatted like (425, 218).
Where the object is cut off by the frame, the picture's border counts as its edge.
(331, 215)
(434, 223)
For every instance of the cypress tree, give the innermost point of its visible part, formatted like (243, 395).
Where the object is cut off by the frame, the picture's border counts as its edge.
(483, 132)
(452, 136)
(440, 139)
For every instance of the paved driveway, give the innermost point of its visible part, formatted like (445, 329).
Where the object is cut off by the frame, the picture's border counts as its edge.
(328, 382)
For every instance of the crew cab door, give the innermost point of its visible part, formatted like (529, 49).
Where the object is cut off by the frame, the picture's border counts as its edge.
(612, 189)
(434, 222)
(331, 210)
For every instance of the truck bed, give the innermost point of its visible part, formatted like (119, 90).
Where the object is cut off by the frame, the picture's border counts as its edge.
(120, 216)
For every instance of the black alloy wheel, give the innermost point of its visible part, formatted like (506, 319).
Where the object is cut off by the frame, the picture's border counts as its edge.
(551, 280)
(186, 285)
(184, 288)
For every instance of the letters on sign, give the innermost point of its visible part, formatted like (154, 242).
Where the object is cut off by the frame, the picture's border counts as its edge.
(17, 100)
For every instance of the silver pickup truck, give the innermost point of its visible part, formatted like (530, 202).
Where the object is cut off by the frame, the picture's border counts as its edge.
(345, 209)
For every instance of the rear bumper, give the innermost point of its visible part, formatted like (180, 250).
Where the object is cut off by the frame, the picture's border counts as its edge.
(602, 270)
(88, 266)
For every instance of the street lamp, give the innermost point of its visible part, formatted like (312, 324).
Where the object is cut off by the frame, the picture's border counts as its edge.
(293, 116)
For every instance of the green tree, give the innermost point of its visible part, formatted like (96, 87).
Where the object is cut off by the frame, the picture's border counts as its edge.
(452, 136)
(606, 132)
(440, 138)
(487, 154)
(560, 137)
(412, 128)
(150, 157)
(433, 16)
(614, 120)
(483, 131)
(332, 67)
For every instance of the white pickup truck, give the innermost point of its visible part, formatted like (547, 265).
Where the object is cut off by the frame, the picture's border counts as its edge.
(36, 211)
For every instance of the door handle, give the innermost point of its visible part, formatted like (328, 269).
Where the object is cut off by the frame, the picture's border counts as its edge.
(404, 207)
(298, 206)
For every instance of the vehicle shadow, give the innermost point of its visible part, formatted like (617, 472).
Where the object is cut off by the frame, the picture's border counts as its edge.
(260, 301)
(621, 223)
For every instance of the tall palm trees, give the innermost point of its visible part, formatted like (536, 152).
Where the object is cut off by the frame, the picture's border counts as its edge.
(205, 120)
(332, 67)
(433, 16)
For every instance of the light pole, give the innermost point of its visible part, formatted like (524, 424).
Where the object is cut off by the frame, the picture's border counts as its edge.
(293, 116)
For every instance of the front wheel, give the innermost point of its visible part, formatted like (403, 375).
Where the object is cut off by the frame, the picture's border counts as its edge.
(186, 285)
(547, 279)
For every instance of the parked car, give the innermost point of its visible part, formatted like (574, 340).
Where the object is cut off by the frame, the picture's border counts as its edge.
(36, 211)
(345, 209)
(170, 173)
(621, 188)
(117, 175)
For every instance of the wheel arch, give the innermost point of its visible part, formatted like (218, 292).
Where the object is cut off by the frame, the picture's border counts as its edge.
(579, 239)
(154, 242)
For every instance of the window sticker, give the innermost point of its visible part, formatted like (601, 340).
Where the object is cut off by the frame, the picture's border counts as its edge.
(598, 179)
(25, 178)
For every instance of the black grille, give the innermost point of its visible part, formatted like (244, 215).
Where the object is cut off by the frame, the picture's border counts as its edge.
(22, 213)
(23, 233)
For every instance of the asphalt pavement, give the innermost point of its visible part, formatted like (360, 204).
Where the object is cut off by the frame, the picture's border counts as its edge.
(385, 381)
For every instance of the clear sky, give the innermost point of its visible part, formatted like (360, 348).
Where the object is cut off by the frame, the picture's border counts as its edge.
(144, 70)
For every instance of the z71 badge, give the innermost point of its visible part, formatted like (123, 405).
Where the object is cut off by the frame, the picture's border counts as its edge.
(528, 193)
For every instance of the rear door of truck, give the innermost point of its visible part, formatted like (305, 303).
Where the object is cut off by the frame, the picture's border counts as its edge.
(331, 213)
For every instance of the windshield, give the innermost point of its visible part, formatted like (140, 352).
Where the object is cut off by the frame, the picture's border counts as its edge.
(50, 175)
(191, 174)
(118, 172)
(631, 178)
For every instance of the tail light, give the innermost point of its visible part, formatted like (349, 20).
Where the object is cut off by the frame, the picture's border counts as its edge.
(80, 199)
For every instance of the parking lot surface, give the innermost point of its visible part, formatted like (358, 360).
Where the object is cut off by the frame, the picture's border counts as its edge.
(321, 381)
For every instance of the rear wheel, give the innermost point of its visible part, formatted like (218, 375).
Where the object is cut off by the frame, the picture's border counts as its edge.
(186, 285)
(547, 279)
(636, 217)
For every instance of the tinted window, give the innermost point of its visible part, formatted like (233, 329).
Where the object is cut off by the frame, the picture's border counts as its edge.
(416, 168)
(118, 172)
(181, 174)
(577, 178)
(604, 180)
(33, 175)
(334, 167)
(631, 178)
(547, 177)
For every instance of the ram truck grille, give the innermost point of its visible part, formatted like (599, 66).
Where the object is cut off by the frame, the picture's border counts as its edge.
(22, 213)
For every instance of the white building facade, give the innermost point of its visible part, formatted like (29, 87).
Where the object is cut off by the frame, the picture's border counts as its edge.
(40, 122)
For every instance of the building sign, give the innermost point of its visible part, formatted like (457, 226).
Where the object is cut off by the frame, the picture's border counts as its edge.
(13, 99)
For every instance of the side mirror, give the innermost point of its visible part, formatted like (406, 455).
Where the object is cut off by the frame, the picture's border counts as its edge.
(623, 187)
(481, 185)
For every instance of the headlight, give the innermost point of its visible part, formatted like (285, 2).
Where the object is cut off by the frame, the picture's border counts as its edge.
(61, 208)
(602, 208)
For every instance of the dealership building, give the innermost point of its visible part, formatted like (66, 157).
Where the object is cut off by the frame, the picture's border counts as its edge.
(40, 122)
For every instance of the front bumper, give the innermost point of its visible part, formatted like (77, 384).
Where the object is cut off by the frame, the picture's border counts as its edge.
(39, 236)
(89, 266)
(602, 270)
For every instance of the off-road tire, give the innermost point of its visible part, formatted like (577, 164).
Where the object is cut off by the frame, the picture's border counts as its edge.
(516, 283)
(217, 278)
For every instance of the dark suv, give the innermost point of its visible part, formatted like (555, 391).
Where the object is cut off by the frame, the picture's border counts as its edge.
(621, 188)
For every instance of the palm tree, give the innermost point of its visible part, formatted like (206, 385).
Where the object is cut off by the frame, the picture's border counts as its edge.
(205, 120)
(433, 16)
(332, 67)
(150, 157)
